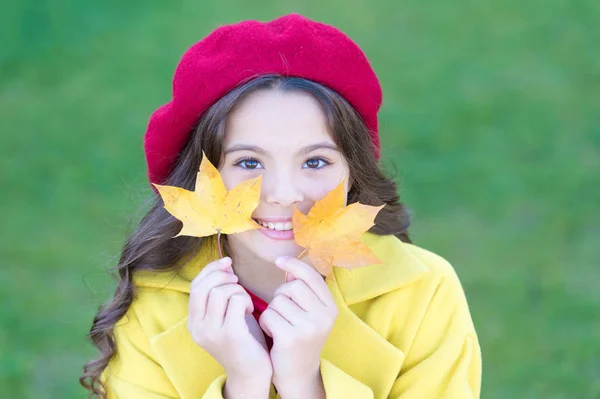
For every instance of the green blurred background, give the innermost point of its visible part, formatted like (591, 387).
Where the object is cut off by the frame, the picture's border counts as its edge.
(491, 114)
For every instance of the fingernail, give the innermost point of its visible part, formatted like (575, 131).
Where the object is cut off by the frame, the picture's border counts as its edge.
(281, 260)
(225, 260)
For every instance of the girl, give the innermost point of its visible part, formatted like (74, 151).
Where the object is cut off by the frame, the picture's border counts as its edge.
(296, 101)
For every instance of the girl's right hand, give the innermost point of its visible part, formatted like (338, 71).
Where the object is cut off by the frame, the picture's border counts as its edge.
(218, 322)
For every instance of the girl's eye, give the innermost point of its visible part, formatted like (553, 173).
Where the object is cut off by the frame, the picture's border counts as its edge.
(250, 163)
(253, 163)
(314, 163)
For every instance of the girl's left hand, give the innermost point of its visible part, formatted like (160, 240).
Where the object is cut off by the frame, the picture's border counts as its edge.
(299, 319)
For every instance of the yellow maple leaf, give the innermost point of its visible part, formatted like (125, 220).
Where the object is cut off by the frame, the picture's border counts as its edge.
(210, 208)
(331, 232)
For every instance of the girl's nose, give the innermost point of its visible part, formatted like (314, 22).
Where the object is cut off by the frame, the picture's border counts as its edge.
(281, 191)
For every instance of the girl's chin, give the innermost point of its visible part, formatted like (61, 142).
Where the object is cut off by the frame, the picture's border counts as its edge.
(274, 253)
(279, 247)
(266, 248)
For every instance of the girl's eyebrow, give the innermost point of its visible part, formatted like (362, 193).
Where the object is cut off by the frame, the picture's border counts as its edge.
(304, 150)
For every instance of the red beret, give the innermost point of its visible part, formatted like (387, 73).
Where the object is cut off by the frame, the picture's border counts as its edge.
(292, 45)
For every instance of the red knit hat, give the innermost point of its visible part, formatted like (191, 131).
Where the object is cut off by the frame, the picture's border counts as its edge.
(291, 45)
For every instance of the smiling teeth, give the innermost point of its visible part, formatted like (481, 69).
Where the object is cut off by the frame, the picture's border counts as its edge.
(276, 226)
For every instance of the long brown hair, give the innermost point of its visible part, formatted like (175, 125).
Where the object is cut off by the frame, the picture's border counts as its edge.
(151, 245)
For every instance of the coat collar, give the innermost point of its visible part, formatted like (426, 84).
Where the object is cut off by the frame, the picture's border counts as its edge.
(353, 346)
(398, 269)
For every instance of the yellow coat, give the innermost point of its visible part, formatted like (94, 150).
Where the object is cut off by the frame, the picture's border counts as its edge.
(403, 331)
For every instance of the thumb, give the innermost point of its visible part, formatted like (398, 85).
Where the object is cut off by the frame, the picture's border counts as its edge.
(249, 306)
(262, 321)
(226, 264)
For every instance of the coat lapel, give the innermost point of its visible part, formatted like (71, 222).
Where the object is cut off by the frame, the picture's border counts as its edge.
(358, 350)
(353, 346)
(189, 367)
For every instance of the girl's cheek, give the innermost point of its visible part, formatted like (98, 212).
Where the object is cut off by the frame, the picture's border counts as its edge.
(319, 189)
(233, 176)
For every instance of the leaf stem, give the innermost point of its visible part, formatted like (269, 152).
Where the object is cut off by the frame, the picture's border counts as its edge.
(299, 257)
(302, 253)
(219, 244)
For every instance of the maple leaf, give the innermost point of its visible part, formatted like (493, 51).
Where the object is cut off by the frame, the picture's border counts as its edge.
(331, 232)
(210, 208)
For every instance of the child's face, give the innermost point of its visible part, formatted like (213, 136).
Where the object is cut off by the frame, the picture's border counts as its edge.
(297, 158)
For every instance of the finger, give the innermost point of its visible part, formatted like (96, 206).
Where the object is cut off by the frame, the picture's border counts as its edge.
(223, 264)
(218, 299)
(199, 292)
(288, 309)
(273, 324)
(310, 276)
(213, 279)
(300, 293)
(264, 321)
(255, 330)
(238, 306)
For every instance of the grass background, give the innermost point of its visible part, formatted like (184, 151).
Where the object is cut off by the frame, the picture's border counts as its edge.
(491, 113)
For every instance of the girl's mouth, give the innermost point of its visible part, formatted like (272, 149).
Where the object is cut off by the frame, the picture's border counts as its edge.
(279, 226)
(276, 231)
